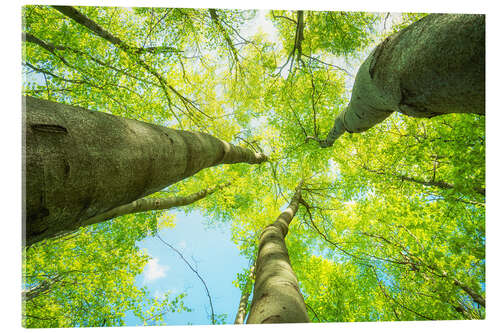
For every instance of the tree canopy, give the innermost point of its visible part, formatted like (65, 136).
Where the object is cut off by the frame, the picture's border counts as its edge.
(391, 224)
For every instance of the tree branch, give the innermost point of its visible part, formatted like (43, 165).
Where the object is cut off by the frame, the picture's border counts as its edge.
(132, 51)
(215, 18)
(197, 274)
(148, 204)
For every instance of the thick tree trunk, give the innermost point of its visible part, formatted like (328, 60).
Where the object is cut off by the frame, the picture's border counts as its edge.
(277, 297)
(147, 204)
(80, 163)
(433, 67)
(242, 307)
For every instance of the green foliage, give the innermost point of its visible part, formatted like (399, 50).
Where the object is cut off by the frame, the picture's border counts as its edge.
(405, 20)
(392, 218)
(336, 33)
(91, 278)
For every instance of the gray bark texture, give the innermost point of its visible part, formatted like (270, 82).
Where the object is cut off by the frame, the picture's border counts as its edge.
(434, 66)
(148, 204)
(277, 297)
(79, 163)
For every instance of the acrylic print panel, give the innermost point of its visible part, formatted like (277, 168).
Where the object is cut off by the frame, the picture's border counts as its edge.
(193, 166)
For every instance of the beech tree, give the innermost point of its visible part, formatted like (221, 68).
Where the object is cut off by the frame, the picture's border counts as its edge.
(81, 164)
(409, 72)
(277, 297)
(391, 224)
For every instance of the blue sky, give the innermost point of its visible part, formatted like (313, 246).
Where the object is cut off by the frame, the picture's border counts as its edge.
(211, 252)
(217, 261)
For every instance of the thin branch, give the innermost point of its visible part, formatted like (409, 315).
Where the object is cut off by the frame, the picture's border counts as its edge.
(384, 292)
(154, 25)
(297, 118)
(436, 183)
(132, 51)
(398, 303)
(47, 85)
(245, 41)
(385, 19)
(299, 34)
(322, 234)
(313, 102)
(327, 64)
(215, 18)
(43, 71)
(195, 272)
(314, 313)
(283, 17)
(51, 47)
(299, 37)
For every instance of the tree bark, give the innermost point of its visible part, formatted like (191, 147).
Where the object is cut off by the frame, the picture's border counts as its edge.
(147, 204)
(242, 307)
(277, 297)
(434, 66)
(80, 164)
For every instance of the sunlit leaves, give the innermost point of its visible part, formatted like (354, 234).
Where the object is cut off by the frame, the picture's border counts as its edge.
(91, 277)
(391, 218)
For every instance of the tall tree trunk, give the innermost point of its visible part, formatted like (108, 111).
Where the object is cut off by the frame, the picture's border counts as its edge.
(147, 204)
(277, 297)
(242, 307)
(80, 163)
(434, 66)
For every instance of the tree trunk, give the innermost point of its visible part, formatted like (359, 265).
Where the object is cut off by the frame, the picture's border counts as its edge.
(80, 164)
(147, 204)
(277, 297)
(242, 307)
(433, 67)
